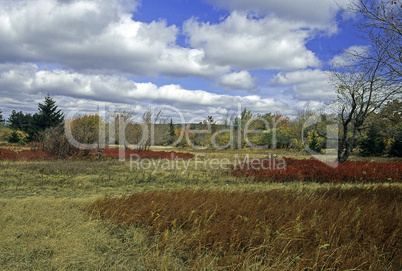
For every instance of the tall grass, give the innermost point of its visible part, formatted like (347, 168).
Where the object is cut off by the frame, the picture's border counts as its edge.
(50, 219)
(335, 229)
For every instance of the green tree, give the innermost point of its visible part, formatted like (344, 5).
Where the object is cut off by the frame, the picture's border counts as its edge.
(48, 116)
(172, 132)
(396, 146)
(373, 144)
(1, 117)
(20, 121)
(14, 137)
(390, 117)
(239, 126)
(315, 144)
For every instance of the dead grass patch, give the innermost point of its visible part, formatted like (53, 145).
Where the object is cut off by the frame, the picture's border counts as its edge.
(325, 229)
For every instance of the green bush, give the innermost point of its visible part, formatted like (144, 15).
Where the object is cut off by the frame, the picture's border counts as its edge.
(14, 137)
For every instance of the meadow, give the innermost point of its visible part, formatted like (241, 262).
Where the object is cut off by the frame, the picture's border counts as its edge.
(104, 214)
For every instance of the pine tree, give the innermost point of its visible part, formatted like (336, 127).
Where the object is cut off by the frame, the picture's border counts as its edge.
(172, 132)
(48, 116)
(373, 144)
(1, 117)
(396, 146)
(14, 137)
(20, 121)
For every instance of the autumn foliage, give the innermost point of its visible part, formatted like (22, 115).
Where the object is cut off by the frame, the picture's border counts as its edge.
(312, 170)
(327, 229)
(147, 154)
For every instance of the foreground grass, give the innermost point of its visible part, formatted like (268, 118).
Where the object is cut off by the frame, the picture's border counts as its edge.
(325, 229)
(54, 234)
(44, 221)
(306, 230)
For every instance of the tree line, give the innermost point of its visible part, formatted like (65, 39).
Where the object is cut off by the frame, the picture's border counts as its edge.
(382, 133)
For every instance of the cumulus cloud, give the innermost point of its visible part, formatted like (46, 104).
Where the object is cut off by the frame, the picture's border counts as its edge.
(237, 80)
(314, 14)
(306, 84)
(94, 36)
(243, 42)
(28, 85)
(87, 50)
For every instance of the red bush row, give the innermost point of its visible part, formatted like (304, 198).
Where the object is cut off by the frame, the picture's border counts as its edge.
(39, 154)
(316, 171)
(114, 153)
(27, 155)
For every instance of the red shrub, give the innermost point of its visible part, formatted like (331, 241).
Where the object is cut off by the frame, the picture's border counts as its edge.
(38, 153)
(315, 171)
(6, 154)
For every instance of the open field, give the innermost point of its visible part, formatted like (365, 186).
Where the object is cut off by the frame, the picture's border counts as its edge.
(69, 215)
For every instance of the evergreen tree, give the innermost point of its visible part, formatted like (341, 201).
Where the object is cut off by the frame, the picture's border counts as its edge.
(20, 121)
(14, 137)
(172, 132)
(373, 144)
(1, 117)
(396, 146)
(48, 116)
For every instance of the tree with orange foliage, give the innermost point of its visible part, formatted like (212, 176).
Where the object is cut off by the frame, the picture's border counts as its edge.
(88, 129)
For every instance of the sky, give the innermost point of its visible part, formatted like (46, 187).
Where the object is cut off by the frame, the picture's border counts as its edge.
(196, 57)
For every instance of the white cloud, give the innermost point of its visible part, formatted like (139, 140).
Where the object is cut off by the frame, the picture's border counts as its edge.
(306, 84)
(248, 43)
(96, 36)
(32, 84)
(98, 45)
(315, 14)
(237, 80)
(346, 58)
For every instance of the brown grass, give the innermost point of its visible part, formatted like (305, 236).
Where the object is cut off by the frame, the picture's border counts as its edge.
(332, 229)
(44, 222)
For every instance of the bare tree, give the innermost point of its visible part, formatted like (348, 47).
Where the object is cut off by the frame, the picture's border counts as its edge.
(381, 26)
(149, 118)
(124, 127)
(359, 95)
(370, 77)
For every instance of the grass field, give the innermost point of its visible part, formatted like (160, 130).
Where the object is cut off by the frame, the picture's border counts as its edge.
(111, 215)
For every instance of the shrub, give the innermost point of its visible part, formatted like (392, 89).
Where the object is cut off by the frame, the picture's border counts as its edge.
(114, 153)
(54, 143)
(14, 137)
(312, 170)
(54, 146)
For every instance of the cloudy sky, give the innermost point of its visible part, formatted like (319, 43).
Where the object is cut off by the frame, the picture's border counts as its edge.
(204, 57)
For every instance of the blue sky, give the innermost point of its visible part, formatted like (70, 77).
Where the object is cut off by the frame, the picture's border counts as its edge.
(201, 56)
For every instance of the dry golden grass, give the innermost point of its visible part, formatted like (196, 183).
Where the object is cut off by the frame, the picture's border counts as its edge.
(335, 229)
(55, 234)
(44, 221)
